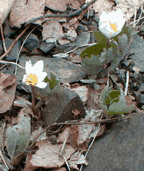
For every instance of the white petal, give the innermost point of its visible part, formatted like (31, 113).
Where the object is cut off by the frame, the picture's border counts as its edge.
(28, 67)
(103, 16)
(24, 79)
(105, 30)
(41, 76)
(41, 85)
(114, 17)
(38, 66)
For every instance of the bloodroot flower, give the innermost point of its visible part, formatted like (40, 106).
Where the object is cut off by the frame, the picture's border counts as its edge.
(34, 74)
(111, 23)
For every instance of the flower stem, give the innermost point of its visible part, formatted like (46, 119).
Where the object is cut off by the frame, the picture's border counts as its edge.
(33, 98)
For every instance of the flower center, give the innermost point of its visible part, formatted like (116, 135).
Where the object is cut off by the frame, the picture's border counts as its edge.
(32, 79)
(114, 27)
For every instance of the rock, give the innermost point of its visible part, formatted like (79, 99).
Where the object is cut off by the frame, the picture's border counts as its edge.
(70, 35)
(32, 42)
(121, 149)
(63, 41)
(136, 95)
(83, 37)
(123, 43)
(8, 31)
(14, 51)
(63, 48)
(63, 107)
(65, 71)
(82, 91)
(135, 75)
(141, 99)
(81, 28)
(122, 73)
(46, 47)
(141, 33)
(138, 50)
(96, 87)
(141, 88)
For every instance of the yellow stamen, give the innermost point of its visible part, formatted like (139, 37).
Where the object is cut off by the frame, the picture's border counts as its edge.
(114, 27)
(32, 79)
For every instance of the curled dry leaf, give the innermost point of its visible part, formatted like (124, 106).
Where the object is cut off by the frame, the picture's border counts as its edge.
(7, 91)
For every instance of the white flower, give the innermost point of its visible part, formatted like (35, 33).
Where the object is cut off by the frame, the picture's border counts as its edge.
(110, 24)
(34, 74)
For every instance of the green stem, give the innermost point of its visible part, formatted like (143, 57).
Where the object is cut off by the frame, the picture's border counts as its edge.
(33, 98)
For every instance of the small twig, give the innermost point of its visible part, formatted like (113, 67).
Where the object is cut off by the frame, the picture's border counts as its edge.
(62, 15)
(80, 123)
(66, 163)
(13, 43)
(33, 98)
(134, 18)
(2, 34)
(127, 82)
(7, 62)
(3, 130)
(140, 15)
(3, 67)
(62, 150)
(3, 159)
(64, 144)
(90, 44)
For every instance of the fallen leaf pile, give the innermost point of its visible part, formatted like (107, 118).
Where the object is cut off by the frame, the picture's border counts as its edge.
(51, 112)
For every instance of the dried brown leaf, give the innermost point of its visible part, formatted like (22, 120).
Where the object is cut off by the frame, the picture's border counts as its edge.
(7, 91)
(48, 156)
(22, 11)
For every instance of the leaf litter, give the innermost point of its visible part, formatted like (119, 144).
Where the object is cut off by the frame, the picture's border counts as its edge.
(70, 140)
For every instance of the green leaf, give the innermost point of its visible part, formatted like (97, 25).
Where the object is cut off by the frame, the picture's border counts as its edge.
(120, 107)
(18, 138)
(52, 81)
(53, 86)
(113, 101)
(46, 79)
(93, 65)
(114, 94)
(92, 50)
(100, 38)
(115, 38)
